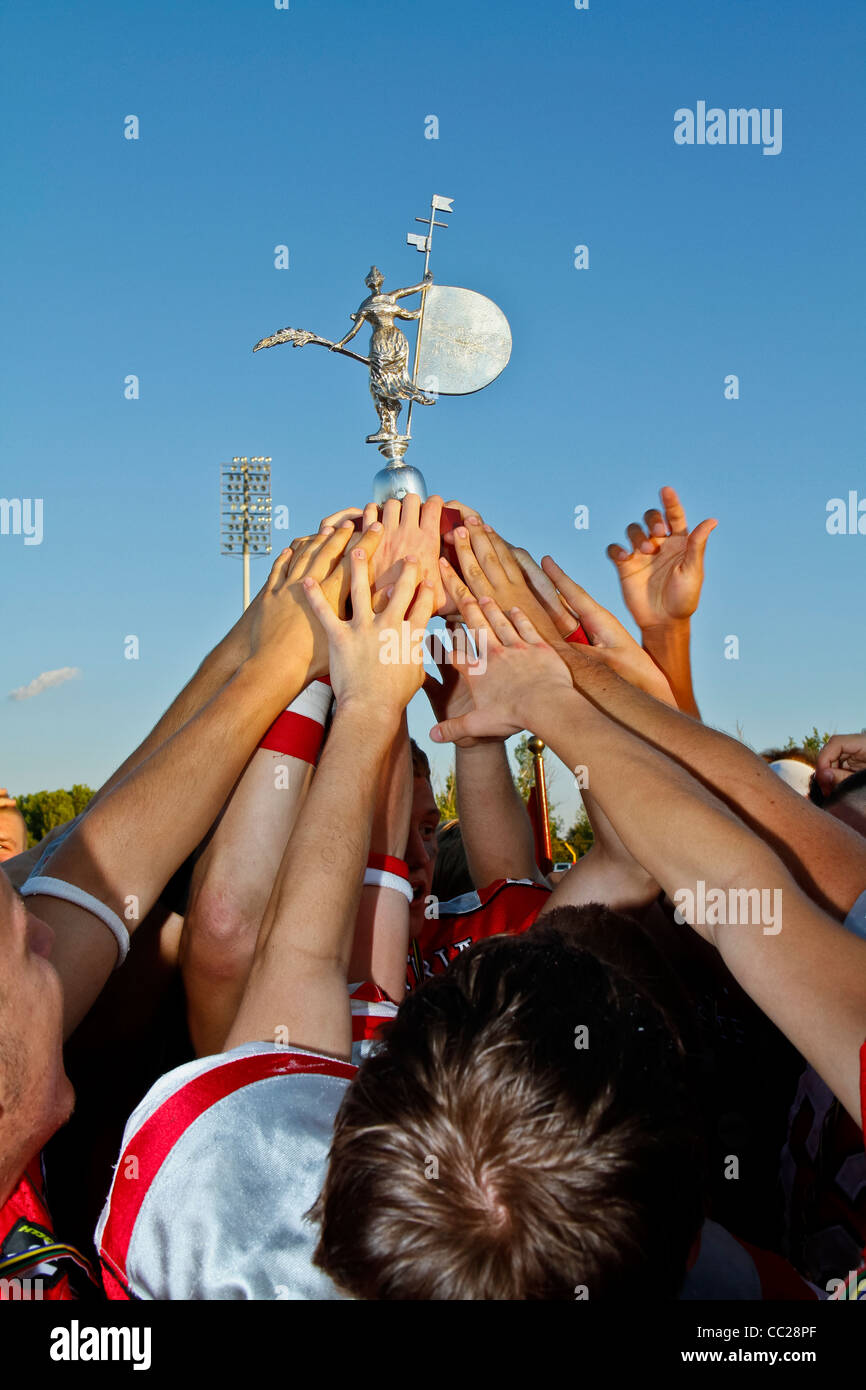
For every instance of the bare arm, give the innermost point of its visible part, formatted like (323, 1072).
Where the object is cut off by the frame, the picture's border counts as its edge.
(298, 977)
(496, 831)
(810, 978)
(360, 319)
(415, 289)
(661, 581)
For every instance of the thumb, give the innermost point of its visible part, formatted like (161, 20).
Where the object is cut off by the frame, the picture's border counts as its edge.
(697, 543)
(449, 730)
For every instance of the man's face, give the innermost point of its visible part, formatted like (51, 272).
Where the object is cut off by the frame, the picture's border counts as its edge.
(13, 835)
(421, 849)
(36, 1096)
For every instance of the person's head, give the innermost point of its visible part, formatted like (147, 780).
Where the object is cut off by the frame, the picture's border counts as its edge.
(451, 876)
(799, 755)
(422, 846)
(13, 833)
(847, 800)
(35, 1094)
(525, 1128)
(374, 279)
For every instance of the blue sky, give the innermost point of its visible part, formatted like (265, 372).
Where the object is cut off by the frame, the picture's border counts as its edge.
(306, 127)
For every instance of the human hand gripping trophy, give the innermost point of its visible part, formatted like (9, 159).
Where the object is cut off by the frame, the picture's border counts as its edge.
(462, 344)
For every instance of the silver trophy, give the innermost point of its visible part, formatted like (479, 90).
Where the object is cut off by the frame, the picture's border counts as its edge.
(463, 342)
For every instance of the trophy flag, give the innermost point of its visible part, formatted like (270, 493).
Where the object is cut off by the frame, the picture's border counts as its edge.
(438, 203)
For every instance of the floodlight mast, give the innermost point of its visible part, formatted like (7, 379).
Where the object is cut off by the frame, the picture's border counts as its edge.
(245, 511)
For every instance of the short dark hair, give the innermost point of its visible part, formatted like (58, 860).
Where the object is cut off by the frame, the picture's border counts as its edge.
(420, 761)
(451, 876)
(849, 787)
(799, 755)
(484, 1152)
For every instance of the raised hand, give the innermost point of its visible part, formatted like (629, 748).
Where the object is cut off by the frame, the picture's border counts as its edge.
(408, 528)
(376, 660)
(610, 642)
(491, 570)
(841, 756)
(282, 624)
(661, 576)
(514, 663)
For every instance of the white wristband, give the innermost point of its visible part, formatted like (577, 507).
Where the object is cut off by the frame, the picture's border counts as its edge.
(314, 702)
(71, 893)
(381, 878)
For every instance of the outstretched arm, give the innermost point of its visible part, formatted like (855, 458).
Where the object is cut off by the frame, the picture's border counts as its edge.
(496, 831)
(360, 319)
(298, 978)
(799, 966)
(414, 289)
(827, 858)
(661, 579)
(120, 852)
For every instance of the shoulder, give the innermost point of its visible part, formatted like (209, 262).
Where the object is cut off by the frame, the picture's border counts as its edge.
(220, 1163)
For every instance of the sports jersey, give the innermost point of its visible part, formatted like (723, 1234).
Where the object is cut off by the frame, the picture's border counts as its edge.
(219, 1165)
(507, 906)
(33, 1265)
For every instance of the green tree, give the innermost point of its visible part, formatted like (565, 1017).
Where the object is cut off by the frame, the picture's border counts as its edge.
(813, 743)
(43, 811)
(446, 797)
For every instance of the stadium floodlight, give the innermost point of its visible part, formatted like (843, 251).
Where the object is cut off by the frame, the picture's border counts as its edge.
(245, 510)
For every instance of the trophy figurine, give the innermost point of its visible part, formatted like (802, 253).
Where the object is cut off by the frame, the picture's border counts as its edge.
(463, 342)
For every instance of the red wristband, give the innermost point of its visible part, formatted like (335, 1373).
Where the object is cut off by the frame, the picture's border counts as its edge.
(298, 732)
(389, 864)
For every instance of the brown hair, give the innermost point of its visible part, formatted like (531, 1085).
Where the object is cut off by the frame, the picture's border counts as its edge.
(489, 1150)
(420, 761)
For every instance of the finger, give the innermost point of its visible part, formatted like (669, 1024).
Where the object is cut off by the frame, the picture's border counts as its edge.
(544, 587)
(674, 511)
(502, 625)
(421, 610)
(525, 628)
(391, 514)
(322, 559)
(469, 566)
(640, 541)
(654, 523)
(371, 514)
(402, 590)
(697, 543)
(455, 505)
(508, 556)
(279, 569)
(581, 603)
(362, 604)
(336, 517)
(431, 516)
(480, 539)
(461, 594)
(321, 607)
(410, 511)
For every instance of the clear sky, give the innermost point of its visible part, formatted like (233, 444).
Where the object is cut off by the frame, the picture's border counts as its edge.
(306, 127)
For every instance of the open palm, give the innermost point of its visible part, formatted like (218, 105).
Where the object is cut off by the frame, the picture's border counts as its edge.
(662, 575)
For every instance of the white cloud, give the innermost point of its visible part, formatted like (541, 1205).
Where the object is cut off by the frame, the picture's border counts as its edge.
(26, 692)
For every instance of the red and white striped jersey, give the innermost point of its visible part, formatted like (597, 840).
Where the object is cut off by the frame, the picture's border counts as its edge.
(220, 1163)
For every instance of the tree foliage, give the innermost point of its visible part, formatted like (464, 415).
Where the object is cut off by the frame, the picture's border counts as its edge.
(43, 811)
(577, 838)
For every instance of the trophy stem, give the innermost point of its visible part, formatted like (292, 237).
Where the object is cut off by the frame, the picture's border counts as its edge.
(397, 478)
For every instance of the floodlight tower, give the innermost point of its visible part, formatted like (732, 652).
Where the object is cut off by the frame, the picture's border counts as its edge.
(245, 511)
